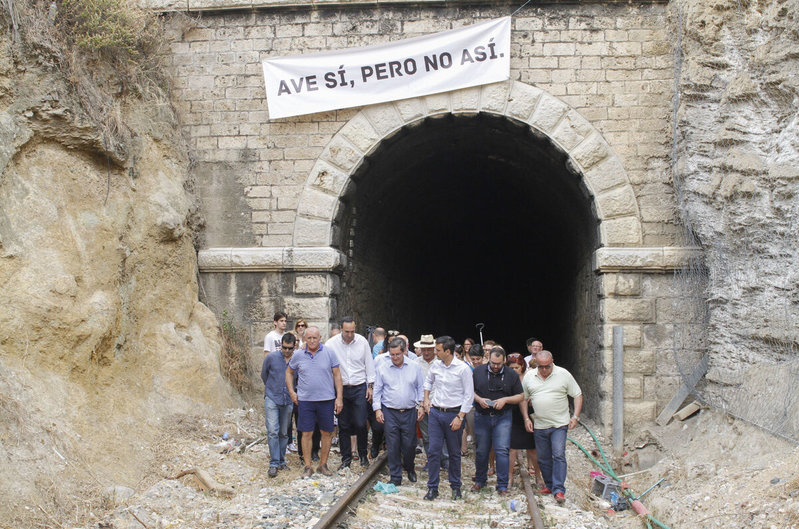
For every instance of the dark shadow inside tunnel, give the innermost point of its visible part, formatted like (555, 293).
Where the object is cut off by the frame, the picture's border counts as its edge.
(465, 219)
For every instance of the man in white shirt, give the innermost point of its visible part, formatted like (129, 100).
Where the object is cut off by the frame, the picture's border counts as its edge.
(358, 375)
(426, 347)
(534, 346)
(274, 337)
(450, 381)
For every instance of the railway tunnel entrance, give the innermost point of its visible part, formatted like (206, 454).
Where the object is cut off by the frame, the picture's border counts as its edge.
(464, 219)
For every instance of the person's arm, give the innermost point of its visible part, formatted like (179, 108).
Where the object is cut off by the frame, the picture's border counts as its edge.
(264, 371)
(515, 398)
(477, 398)
(468, 398)
(428, 387)
(528, 423)
(578, 407)
(377, 397)
(377, 394)
(369, 363)
(339, 389)
(290, 384)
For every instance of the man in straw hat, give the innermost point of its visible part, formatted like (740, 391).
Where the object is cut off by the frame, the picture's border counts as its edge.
(425, 348)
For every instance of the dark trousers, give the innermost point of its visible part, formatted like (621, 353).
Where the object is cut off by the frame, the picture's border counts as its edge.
(316, 439)
(378, 433)
(400, 429)
(352, 421)
(438, 428)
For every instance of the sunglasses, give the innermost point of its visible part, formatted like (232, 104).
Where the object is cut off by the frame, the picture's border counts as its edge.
(548, 366)
(301, 325)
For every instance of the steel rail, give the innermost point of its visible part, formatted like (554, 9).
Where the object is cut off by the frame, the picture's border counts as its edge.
(334, 514)
(532, 505)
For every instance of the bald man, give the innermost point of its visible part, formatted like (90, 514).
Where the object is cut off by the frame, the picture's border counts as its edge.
(548, 388)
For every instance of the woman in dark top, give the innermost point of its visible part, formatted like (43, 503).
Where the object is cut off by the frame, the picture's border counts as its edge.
(520, 438)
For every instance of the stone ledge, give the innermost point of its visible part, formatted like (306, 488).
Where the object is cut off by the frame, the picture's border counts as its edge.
(645, 259)
(224, 5)
(287, 259)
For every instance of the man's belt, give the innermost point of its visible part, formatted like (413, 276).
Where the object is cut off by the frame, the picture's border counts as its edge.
(456, 409)
(354, 385)
(400, 410)
(492, 412)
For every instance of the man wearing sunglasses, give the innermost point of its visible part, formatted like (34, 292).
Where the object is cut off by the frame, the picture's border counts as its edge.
(277, 403)
(548, 388)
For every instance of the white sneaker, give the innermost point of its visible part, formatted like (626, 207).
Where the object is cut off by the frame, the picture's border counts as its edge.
(292, 447)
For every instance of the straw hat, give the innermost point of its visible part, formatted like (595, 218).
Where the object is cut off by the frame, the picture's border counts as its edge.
(426, 341)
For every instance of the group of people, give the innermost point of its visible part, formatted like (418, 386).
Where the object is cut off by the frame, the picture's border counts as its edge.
(516, 403)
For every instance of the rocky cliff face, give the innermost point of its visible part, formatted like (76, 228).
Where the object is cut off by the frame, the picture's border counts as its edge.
(102, 336)
(737, 172)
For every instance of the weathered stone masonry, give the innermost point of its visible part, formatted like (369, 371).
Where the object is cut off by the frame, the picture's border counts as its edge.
(595, 79)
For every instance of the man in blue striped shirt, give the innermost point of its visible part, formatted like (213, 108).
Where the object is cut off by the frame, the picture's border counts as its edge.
(398, 391)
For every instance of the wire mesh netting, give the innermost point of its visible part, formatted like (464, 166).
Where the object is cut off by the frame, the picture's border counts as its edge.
(736, 170)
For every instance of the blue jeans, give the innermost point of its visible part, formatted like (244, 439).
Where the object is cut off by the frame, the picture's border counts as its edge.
(492, 431)
(551, 446)
(278, 420)
(400, 430)
(440, 433)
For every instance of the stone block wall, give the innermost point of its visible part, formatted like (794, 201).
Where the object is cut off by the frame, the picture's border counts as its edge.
(611, 63)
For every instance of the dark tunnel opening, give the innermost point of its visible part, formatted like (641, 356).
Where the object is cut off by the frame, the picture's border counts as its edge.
(466, 219)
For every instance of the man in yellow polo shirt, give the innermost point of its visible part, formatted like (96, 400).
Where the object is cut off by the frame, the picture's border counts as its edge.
(548, 387)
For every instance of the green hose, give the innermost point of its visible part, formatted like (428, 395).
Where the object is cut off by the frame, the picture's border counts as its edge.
(602, 452)
(657, 522)
(597, 463)
(606, 468)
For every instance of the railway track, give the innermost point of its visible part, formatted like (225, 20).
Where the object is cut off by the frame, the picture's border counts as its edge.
(360, 508)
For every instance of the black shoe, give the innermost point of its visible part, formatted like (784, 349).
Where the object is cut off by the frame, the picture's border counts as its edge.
(396, 482)
(314, 456)
(456, 494)
(431, 494)
(344, 464)
(374, 452)
(272, 472)
(412, 476)
(364, 461)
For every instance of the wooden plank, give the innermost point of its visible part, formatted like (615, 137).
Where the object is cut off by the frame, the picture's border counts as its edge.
(687, 411)
(685, 389)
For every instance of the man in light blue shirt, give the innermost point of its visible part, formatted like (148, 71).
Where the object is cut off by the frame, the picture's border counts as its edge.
(378, 337)
(398, 390)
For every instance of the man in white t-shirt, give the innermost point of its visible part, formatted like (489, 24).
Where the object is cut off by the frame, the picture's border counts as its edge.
(273, 337)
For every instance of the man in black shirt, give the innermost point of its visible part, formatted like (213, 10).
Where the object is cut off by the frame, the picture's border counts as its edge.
(496, 389)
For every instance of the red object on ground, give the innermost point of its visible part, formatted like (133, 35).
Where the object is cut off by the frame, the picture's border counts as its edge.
(639, 508)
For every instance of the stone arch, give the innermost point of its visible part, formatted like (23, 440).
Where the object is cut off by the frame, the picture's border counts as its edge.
(603, 174)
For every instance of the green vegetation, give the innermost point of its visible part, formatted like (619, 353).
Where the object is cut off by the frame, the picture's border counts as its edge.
(235, 353)
(113, 27)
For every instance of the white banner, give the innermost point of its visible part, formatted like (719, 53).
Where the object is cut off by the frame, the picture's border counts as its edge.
(458, 58)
